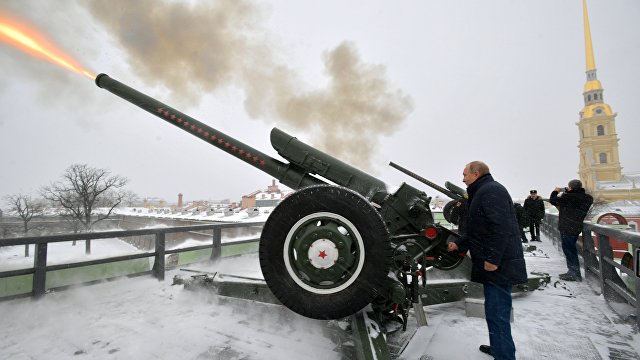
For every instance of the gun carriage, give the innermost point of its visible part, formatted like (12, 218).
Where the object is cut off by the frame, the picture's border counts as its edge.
(341, 241)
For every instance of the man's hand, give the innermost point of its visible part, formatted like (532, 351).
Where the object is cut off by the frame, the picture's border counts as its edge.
(452, 246)
(557, 189)
(490, 267)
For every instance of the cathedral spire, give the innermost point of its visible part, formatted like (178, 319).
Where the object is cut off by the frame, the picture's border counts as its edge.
(588, 47)
(592, 79)
(599, 159)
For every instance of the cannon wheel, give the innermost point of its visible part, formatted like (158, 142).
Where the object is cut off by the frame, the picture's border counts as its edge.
(451, 212)
(325, 252)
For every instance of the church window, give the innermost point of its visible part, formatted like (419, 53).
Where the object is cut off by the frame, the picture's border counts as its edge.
(603, 158)
(595, 96)
(589, 97)
(600, 130)
(598, 110)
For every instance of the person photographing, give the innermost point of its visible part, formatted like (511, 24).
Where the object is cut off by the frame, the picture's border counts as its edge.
(573, 204)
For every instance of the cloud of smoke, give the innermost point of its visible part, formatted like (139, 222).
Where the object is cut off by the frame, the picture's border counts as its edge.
(192, 48)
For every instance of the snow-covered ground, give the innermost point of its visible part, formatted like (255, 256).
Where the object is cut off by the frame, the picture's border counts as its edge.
(12, 257)
(142, 318)
(259, 215)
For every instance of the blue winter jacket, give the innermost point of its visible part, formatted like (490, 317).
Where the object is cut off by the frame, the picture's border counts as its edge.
(492, 234)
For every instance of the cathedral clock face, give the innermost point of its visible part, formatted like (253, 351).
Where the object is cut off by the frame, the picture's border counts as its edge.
(598, 110)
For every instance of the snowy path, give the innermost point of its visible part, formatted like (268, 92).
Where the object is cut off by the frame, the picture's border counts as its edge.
(547, 324)
(142, 318)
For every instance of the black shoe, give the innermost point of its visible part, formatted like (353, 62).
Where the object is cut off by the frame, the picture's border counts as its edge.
(569, 277)
(485, 349)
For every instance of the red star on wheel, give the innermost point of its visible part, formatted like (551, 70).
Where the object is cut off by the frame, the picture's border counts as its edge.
(322, 254)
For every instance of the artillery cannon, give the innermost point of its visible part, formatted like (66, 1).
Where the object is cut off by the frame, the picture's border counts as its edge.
(341, 241)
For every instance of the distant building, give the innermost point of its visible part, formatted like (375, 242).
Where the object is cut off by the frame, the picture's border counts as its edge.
(600, 169)
(267, 199)
(153, 202)
(209, 205)
(622, 215)
(264, 198)
(249, 200)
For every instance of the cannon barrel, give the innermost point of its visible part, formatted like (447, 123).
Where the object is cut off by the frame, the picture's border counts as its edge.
(452, 191)
(287, 174)
(304, 159)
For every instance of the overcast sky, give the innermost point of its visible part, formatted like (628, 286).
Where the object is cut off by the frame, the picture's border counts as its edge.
(430, 85)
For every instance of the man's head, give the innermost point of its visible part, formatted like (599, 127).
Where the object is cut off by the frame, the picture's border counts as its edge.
(473, 170)
(533, 193)
(575, 184)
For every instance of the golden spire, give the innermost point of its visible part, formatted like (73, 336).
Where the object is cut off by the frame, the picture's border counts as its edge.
(591, 63)
(592, 84)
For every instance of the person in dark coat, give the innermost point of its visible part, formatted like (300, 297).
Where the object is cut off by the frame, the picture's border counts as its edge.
(573, 205)
(534, 207)
(492, 237)
(523, 221)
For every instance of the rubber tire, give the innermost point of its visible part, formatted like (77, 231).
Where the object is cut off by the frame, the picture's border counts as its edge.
(364, 217)
(451, 212)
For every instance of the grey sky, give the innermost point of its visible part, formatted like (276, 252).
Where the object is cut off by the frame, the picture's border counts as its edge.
(445, 82)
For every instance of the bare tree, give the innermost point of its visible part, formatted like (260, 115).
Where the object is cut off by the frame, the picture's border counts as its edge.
(130, 199)
(26, 208)
(82, 190)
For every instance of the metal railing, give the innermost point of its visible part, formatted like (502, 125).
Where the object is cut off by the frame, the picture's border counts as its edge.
(598, 261)
(40, 266)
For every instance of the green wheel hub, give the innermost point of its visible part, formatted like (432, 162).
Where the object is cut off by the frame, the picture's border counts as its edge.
(323, 252)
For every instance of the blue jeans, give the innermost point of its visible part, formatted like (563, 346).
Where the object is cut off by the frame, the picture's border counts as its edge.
(497, 310)
(571, 253)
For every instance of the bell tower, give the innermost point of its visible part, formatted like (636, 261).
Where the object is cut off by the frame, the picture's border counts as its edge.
(599, 159)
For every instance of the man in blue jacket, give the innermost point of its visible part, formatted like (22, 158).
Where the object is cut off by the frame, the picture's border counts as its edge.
(493, 239)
